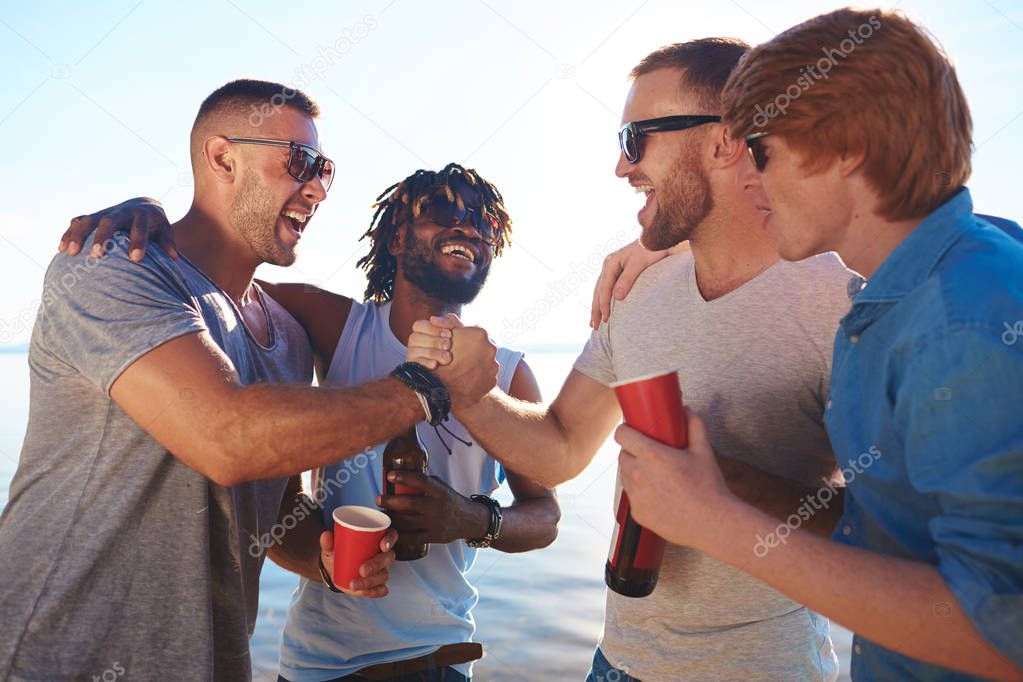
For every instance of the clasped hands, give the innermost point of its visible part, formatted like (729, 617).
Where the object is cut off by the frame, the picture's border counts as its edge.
(679, 494)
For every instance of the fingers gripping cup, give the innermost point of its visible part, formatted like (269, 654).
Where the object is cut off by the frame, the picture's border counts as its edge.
(357, 535)
(653, 406)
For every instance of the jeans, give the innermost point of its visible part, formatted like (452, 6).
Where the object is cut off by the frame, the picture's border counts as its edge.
(442, 675)
(603, 671)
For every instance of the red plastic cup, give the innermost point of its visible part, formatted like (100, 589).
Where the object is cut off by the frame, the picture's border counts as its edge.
(357, 535)
(652, 405)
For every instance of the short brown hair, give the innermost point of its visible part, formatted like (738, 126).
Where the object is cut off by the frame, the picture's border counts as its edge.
(256, 99)
(893, 96)
(707, 63)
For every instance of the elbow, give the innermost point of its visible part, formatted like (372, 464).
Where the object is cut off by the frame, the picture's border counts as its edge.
(568, 466)
(219, 465)
(225, 476)
(241, 444)
(551, 536)
(564, 465)
(551, 480)
(222, 454)
(553, 519)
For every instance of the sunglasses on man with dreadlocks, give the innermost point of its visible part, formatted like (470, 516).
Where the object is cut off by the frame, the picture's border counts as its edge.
(452, 197)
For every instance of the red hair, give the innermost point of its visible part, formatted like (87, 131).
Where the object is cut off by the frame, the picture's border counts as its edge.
(861, 81)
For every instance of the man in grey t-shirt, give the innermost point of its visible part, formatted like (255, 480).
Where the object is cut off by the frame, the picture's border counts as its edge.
(170, 413)
(754, 363)
(751, 338)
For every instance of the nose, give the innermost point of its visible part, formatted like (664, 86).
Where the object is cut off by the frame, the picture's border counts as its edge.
(314, 190)
(468, 228)
(623, 167)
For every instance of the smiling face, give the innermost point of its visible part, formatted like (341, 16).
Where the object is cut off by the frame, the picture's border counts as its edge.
(449, 264)
(805, 213)
(670, 172)
(270, 208)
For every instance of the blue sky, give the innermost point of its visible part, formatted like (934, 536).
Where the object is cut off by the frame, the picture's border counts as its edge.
(98, 98)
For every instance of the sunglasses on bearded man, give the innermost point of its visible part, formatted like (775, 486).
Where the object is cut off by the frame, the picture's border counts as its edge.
(304, 162)
(630, 135)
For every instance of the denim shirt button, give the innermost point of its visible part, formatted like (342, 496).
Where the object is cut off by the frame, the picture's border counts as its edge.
(854, 338)
(846, 529)
(827, 406)
(857, 649)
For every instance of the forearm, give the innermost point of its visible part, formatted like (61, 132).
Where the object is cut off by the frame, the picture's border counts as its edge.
(299, 548)
(273, 431)
(817, 509)
(528, 525)
(526, 437)
(887, 600)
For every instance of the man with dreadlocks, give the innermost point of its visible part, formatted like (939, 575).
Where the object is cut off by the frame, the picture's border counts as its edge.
(432, 240)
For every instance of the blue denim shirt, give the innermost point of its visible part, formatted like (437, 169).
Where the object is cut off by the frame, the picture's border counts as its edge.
(925, 418)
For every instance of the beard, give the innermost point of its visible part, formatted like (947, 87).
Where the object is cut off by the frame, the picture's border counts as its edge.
(682, 204)
(425, 274)
(255, 216)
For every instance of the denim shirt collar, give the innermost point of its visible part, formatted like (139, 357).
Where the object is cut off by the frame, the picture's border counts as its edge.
(910, 263)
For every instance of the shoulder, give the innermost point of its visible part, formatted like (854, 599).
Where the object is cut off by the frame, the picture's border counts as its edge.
(667, 270)
(115, 259)
(112, 273)
(979, 277)
(658, 284)
(509, 361)
(1009, 227)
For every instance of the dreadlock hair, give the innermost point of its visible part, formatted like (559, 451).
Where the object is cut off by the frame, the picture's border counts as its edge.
(402, 202)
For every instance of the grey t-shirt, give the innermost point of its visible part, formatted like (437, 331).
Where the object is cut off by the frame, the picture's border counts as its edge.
(754, 364)
(115, 556)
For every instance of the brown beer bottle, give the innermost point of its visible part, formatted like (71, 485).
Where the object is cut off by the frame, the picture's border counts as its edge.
(405, 453)
(635, 560)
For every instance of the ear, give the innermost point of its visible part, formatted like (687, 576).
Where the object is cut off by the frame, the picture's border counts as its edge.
(727, 150)
(850, 162)
(397, 243)
(218, 159)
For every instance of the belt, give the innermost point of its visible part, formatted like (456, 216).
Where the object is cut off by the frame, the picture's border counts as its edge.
(447, 655)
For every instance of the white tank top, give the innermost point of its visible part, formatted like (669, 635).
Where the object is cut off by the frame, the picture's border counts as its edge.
(429, 603)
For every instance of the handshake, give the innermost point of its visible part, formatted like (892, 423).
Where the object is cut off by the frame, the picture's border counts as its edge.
(464, 358)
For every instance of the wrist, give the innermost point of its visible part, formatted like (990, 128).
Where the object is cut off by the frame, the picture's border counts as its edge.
(478, 521)
(494, 523)
(431, 393)
(469, 410)
(325, 575)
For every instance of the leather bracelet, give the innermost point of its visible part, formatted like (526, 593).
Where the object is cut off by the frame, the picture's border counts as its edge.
(493, 527)
(326, 576)
(428, 387)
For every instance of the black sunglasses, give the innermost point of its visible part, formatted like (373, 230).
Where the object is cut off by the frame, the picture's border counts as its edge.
(447, 213)
(629, 135)
(757, 150)
(304, 162)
